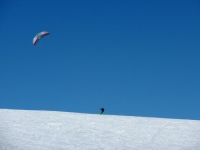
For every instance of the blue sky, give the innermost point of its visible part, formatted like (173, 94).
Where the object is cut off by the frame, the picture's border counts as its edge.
(138, 58)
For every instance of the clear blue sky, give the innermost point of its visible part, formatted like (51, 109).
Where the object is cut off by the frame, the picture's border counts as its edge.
(138, 58)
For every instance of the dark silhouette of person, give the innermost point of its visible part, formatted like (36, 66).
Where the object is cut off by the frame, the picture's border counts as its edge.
(102, 111)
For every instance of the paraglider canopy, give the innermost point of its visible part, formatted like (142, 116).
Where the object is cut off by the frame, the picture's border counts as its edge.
(39, 36)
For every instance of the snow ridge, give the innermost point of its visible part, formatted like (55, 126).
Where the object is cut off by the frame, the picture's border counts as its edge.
(51, 130)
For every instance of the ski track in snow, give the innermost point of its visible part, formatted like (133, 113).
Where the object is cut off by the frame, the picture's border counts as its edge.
(51, 130)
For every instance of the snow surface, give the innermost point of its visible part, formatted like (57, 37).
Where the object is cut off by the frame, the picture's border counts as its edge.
(51, 130)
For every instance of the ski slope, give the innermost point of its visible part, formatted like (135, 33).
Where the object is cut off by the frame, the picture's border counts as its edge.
(51, 130)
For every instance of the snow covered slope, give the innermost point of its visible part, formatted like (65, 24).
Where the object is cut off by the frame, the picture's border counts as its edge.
(49, 130)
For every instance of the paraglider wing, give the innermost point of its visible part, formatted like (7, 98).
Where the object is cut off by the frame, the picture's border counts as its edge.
(39, 36)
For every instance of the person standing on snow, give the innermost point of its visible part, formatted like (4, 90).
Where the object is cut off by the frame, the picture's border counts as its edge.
(102, 111)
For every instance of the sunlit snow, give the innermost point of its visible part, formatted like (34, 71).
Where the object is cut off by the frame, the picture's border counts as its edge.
(51, 130)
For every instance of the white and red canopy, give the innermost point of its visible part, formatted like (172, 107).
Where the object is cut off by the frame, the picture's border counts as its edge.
(39, 36)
